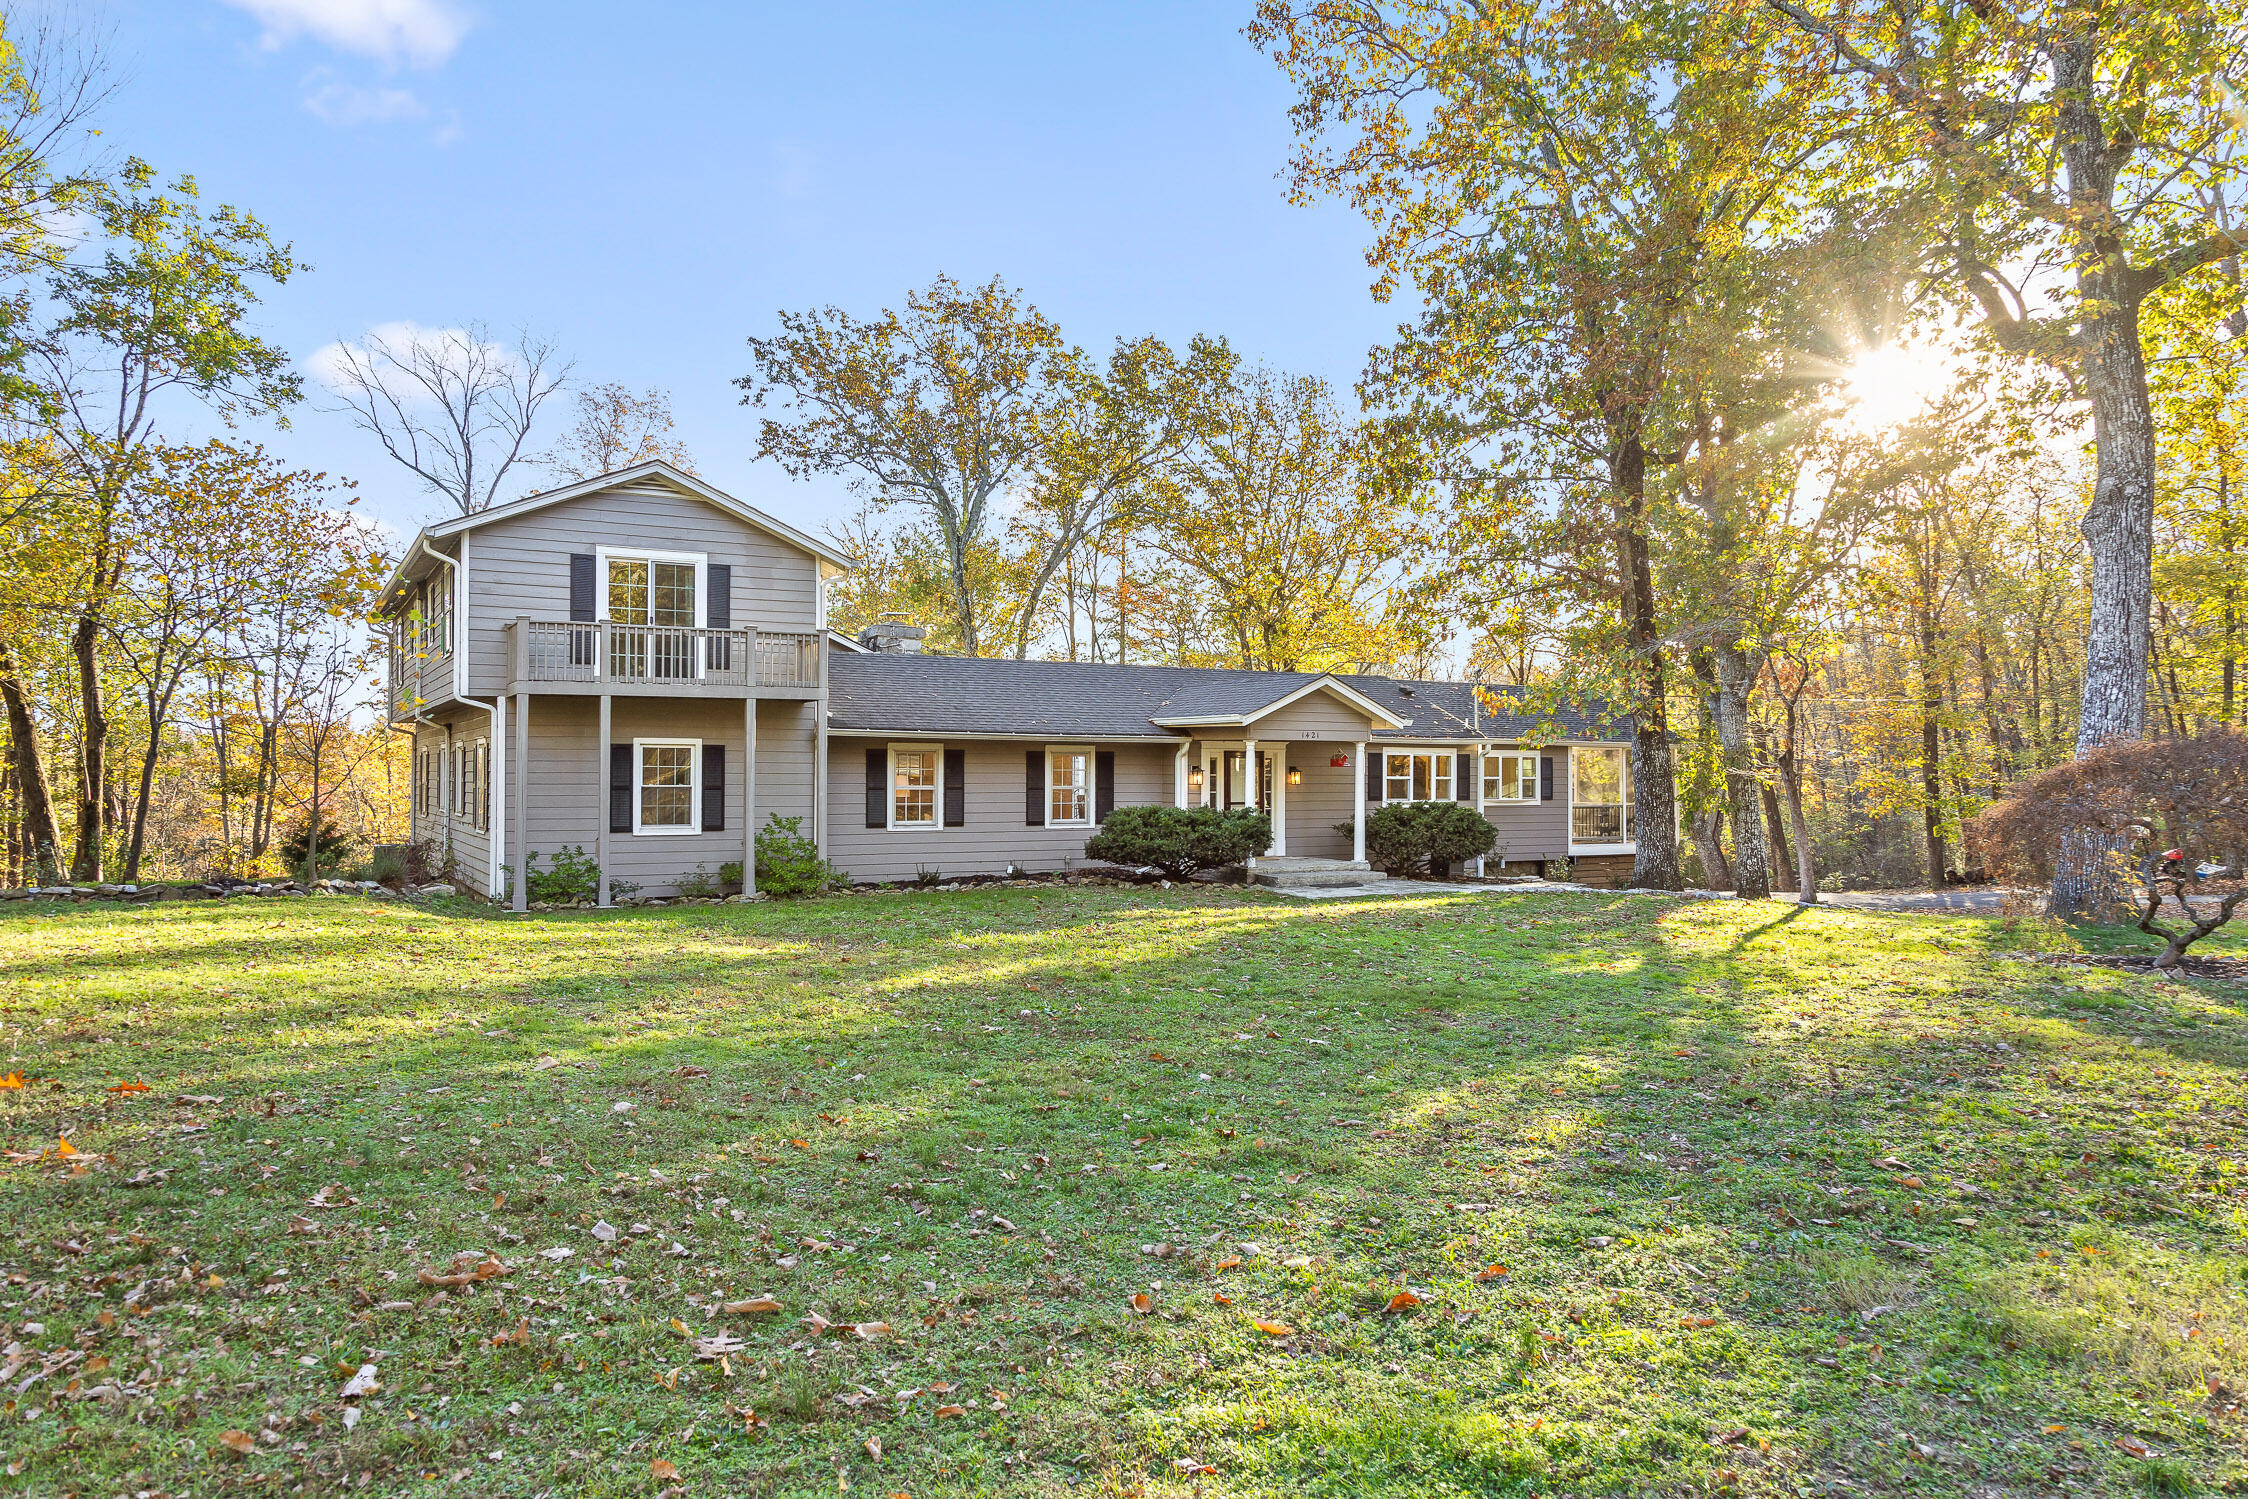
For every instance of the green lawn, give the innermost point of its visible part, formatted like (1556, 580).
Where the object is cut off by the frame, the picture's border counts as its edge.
(1788, 1201)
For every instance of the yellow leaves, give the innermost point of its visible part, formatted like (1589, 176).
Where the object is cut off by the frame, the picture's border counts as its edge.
(12, 1080)
(1275, 1329)
(1697, 1322)
(63, 1149)
(1230, 1262)
(1221, 1298)
(1491, 1272)
(130, 1087)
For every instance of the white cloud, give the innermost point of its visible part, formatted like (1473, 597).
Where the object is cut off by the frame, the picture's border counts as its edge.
(349, 104)
(437, 353)
(421, 32)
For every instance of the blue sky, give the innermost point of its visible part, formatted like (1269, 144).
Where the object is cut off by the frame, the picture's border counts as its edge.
(649, 184)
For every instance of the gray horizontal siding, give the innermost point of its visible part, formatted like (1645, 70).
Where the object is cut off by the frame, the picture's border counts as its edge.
(1319, 716)
(994, 834)
(469, 845)
(522, 566)
(1327, 797)
(569, 781)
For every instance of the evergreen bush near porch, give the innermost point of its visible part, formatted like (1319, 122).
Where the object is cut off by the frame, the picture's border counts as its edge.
(1408, 838)
(1181, 841)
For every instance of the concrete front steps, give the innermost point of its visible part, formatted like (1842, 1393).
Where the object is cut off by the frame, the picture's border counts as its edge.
(1312, 874)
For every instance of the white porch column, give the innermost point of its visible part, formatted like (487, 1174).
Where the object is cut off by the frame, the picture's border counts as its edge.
(1280, 803)
(749, 796)
(521, 899)
(601, 800)
(1478, 751)
(1178, 776)
(1254, 785)
(1358, 802)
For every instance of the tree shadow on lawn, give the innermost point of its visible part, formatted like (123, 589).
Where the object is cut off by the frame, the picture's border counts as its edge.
(1626, 1102)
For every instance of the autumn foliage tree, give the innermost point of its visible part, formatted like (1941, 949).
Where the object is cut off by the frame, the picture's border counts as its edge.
(2175, 811)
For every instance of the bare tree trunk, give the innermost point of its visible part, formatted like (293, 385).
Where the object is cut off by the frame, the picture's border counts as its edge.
(41, 838)
(1708, 830)
(1783, 862)
(1654, 776)
(1752, 866)
(86, 852)
(1931, 754)
(1806, 858)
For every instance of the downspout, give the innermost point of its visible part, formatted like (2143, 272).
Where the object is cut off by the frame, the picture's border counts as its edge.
(496, 836)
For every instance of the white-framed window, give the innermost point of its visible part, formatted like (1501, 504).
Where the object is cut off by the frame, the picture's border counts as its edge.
(660, 597)
(1418, 776)
(456, 799)
(1599, 795)
(1510, 777)
(916, 785)
(1069, 786)
(667, 785)
(480, 783)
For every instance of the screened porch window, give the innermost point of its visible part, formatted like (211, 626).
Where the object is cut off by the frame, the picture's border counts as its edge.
(1599, 796)
(1418, 777)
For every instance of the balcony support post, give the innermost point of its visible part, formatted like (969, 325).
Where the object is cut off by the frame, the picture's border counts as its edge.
(520, 824)
(601, 789)
(749, 794)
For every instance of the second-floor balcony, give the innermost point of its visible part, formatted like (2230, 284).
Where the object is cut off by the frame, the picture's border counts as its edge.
(660, 660)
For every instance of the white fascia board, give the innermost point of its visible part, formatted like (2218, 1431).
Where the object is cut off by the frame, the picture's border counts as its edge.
(653, 469)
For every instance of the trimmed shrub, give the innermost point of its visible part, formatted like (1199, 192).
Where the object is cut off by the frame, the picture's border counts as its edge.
(788, 863)
(1408, 838)
(1181, 841)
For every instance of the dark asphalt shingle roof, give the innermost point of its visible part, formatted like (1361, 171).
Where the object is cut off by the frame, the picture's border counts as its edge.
(939, 695)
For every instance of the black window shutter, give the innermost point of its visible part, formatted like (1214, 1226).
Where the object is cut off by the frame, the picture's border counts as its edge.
(1034, 788)
(714, 788)
(581, 586)
(620, 788)
(719, 608)
(878, 787)
(1373, 775)
(1545, 778)
(1104, 784)
(955, 788)
(1463, 779)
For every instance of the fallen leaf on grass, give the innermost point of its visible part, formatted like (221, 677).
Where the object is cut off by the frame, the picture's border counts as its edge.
(240, 1443)
(333, 1195)
(1142, 1303)
(1490, 1273)
(12, 1080)
(468, 1269)
(662, 1470)
(1228, 1263)
(131, 1087)
(946, 1412)
(756, 1306)
(1189, 1466)
(1697, 1322)
(520, 1336)
(1222, 1299)
(1402, 1301)
(1296, 1262)
(605, 1231)
(64, 1150)
(718, 1345)
(1728, 1438)
(558, 1252)
(1003, 1225)
(872, 1332)
(545, 1063)
(1276, 1329)
(801, 1144)
(874, 1448)
(690, 1071)
(2135, 1447)
(363, 1382)
(817, 1323)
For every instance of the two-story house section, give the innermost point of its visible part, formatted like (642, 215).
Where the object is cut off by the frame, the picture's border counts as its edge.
(634, 665)
(638, 666)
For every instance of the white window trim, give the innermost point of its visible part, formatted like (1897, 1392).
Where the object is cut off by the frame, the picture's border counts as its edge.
(694, 787)
(1537, 777)
(890, 789)
(1092, 791)
(1451, 774)
(700, 561)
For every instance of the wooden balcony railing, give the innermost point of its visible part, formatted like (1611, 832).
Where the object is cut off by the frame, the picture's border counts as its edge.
(605, 656)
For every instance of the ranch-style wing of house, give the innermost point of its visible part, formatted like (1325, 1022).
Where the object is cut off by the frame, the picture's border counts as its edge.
(638, 666)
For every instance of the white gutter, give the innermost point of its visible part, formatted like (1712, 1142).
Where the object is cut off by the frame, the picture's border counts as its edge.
(496, 838)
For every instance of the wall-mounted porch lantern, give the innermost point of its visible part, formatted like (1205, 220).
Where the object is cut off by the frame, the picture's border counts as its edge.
(1295, 776)
(1194, 779)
